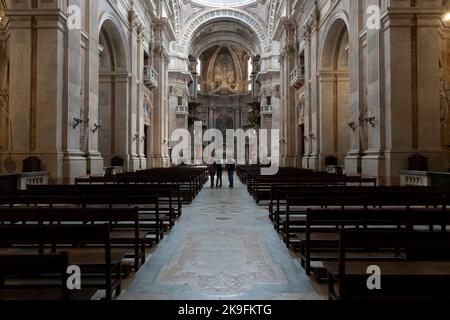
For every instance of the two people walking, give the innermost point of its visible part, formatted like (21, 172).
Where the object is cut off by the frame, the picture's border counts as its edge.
(216, 169)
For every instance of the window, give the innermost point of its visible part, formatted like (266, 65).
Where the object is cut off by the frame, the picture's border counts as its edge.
(269, 101)
(180, 101)
(199, 66)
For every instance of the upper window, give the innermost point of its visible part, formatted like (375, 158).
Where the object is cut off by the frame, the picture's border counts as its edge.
(224, 3)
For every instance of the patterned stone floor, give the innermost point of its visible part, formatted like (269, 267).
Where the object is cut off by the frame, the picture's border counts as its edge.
(223, 247)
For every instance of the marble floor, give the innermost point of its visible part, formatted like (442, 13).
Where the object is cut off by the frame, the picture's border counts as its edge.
(223, 247)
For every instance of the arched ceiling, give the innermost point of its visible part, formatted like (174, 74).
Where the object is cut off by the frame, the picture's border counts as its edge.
(242, 27)
(222, 33)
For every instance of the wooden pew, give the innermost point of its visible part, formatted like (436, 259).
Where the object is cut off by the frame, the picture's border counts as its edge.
(18, 275)
(320, 241)
(62, 238)
(169, 196)
(148, 206)
(418, 277)
(295, 219)
(126, 233)
(280, 193)
(261, 187)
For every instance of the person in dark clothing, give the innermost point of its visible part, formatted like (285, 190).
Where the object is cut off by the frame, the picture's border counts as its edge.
(219, 171)
(212, 173)
(230, 169)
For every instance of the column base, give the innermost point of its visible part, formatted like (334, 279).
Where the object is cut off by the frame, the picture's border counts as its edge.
(95, 164)
(156, 162)
(291, 162)
(311, 162)
(74, 166)
(352, 163)
(373, 166)
(134, 163)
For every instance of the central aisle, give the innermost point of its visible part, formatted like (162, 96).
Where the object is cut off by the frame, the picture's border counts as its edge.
(223, 247)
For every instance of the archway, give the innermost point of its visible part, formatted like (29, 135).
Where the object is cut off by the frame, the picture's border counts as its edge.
(335, 93)
(113, 94)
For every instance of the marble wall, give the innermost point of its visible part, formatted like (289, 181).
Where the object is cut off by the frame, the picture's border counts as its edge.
(371, 96)
(79, 79)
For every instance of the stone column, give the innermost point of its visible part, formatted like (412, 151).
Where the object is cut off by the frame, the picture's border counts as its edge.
(94, 158)
(428, 105)
(160, 138)
(135, 132)
(356, 86)
(74, 138)
(36, 88)
(288, 109)
(412, 117)
(313, 133)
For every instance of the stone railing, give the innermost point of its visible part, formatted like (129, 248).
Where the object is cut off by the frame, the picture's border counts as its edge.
(415, 178)
(425, 179)
(20, 181)
(297, 77)
(182, 110)
(266, 110)
(150, 77)
(32, 179)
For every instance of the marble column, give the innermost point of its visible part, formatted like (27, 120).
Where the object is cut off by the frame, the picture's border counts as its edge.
(95, 162)
(160, 137)
(37, 54)
(412, 110)
(353, 162)
(74, 137)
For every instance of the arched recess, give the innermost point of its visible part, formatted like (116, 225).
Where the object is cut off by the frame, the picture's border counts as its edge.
(198, 22)
(113, 136)
(238, 72)
(335, 91)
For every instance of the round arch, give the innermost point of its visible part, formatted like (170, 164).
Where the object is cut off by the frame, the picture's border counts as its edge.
(334, 67)
(195, 23)
(333, 31)
(109, 24)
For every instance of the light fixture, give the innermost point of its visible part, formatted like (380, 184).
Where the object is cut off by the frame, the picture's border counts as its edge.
(371, 121)
(352, 126)
(96, 127)
(76, 122)
(447, 17)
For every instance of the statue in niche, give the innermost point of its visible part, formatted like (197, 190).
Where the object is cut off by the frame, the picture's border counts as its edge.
(224, 75)
(444, 100)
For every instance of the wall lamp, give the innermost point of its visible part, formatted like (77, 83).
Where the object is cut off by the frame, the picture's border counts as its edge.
(96, 127)
(77, 122)
(312, 136)
(371, 120)
(352, 126)
(136, 136)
